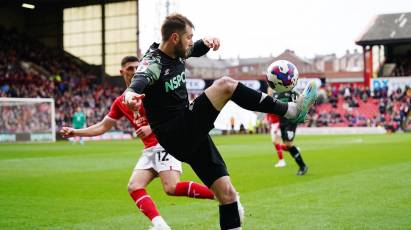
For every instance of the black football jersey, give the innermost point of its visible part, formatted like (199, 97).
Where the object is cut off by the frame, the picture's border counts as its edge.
(163, 81)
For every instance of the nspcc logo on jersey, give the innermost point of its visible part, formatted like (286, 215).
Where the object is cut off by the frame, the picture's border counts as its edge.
(175, 82)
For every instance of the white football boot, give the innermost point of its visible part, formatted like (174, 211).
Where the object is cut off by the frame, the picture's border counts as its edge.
(281, 163)
(240, 208)
(159, 224)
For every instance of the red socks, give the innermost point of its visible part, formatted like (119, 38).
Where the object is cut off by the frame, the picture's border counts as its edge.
(145, 203)
(284, 147)
(194, 190)
(188, 188)
(279, 149)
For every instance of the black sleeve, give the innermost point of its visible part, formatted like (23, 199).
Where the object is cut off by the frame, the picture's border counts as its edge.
(198, 49)
(138, 84)
(148, 72)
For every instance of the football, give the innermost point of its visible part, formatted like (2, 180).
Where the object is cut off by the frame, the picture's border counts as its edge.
(282, 76)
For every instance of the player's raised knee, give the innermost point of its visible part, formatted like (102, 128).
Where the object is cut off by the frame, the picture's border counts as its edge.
(225, 84)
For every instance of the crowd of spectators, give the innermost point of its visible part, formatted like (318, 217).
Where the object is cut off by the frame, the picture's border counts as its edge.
(356, 106)
(32, 117)
(28, 69)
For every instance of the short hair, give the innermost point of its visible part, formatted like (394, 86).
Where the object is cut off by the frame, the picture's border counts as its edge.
(128, 59)
(174, 23)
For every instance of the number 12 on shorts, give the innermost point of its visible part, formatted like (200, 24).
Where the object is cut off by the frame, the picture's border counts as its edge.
(162, 155)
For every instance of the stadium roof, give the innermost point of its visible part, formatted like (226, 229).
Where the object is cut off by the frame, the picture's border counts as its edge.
(386, 29)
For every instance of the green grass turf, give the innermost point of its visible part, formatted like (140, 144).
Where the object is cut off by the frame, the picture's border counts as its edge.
(354, 182)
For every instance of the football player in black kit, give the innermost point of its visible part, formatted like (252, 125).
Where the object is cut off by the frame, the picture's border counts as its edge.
(288, 129)
(182, 128)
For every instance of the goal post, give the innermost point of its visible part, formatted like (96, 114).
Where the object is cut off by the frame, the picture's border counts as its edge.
(27, 120)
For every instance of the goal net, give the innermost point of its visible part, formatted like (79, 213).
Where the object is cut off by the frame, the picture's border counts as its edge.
(27, 120)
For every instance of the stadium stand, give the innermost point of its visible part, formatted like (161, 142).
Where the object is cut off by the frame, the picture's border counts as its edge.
(356, 107)
(28, 69)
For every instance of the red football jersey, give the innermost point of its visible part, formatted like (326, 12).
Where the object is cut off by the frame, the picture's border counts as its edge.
(271, 118)
(118, 110)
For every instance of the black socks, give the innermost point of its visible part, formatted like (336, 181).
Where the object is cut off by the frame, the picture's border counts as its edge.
(250, 99)
(297, 156)
(229, 216)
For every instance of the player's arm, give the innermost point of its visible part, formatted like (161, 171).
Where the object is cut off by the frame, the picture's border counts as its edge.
(97, 129)
(144, 131)
(148, 72)
(202, 46)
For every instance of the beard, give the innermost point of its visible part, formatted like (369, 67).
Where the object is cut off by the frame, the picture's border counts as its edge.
(180, 51)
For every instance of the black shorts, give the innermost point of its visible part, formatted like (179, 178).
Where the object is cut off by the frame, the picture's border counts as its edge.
(288, 131)
(186, 138)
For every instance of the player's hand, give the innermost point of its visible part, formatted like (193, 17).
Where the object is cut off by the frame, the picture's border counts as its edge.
(144, 131)
(212, 43)
(133, 100)
(67, 132)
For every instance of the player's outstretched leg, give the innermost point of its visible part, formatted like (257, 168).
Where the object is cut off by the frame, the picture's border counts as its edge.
(256, 101)
(139, 179)
(146, 205)
(193, 189)
(253, 100)
(305, 101)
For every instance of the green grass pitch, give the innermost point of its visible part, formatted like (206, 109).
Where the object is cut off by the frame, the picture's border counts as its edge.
(354, 182)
